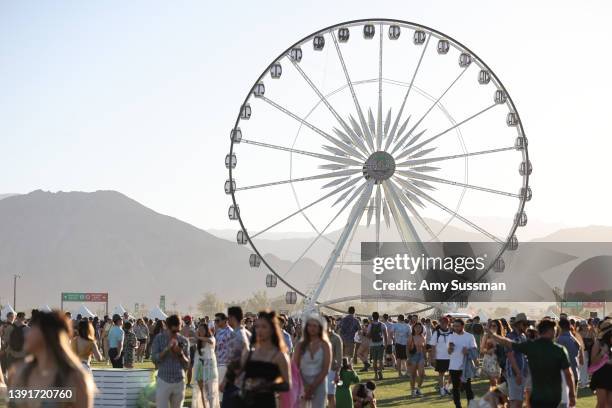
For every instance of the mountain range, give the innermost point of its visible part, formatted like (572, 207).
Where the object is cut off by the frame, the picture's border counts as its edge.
(104, 241)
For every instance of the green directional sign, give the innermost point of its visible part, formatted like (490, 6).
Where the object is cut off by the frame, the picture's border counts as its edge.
(84, 297)
(73, 297)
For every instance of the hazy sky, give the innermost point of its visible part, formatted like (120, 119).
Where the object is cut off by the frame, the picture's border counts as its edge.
(139, 96)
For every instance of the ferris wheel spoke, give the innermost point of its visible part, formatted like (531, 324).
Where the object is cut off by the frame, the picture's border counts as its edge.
(431, 139)
(406, 203)
(378, 204)
(314, 241)
(352, 222)
(349, 150)
(362, 120)
(409, 233)
(414, 139)
(449, 211)
(420, 176)
(401, 110)
(379, 128)
(324, 100)
(335, 159)
(353, 138)
(410, 163)
(402, 223)
(332, 174)
(433, 105)
(293, 214)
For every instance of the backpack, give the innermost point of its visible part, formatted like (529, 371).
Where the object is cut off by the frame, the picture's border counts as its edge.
(376, 332)
(17, 338)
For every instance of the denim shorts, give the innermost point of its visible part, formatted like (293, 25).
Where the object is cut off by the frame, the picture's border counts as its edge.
(417, 358)
(515, 392)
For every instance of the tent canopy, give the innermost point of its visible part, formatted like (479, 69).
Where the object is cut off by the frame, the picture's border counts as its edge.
(6, 310)
(157, 313)
(83, 311)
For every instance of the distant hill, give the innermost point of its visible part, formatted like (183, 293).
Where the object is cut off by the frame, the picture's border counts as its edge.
(592, 233)
(106, 242)
(2, 196)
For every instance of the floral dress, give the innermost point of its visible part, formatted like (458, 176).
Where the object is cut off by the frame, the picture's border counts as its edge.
(130, 346)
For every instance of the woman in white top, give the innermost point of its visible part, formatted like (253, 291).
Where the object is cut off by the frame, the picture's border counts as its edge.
(205, 370)
(313, 357)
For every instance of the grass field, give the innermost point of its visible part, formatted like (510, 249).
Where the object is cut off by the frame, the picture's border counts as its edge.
(395, 392)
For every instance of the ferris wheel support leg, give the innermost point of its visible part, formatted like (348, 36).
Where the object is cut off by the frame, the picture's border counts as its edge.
(352, 222)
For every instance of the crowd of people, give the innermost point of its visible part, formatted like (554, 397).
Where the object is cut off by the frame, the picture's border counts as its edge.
(269, 359)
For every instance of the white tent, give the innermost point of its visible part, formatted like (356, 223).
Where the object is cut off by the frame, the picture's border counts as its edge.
(83, 311)
(6, 310)
(45, 308)
(157, 313)
(120, 310)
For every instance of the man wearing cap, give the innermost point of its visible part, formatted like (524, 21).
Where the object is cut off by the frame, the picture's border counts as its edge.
(516, 362)
(115, 342)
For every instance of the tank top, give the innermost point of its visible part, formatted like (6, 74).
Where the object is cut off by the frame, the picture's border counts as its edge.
(311, 364)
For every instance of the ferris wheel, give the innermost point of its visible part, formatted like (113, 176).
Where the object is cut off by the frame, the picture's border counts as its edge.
(372, 131)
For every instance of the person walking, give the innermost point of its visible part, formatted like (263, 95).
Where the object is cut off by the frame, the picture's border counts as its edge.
(130, 344)
(205, 368)
(491, 350)
(223, 335)
(84, 344)
(601, 365)
(115, 342)
(416, 346)
(348, 377)
(517, 369)
(460, 343)
(336, 362)
(15, 339)
(188, 331)
(348, 326)
(439, 351)
(377, 333)
(547, 362)
(572, 346)
(313, 357)
(170, 353)
(238, 344)
(142, 335)
(363, 351)
(266, 366)
(401, 334)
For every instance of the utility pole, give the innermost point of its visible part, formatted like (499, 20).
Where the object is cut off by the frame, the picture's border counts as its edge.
(15, 277)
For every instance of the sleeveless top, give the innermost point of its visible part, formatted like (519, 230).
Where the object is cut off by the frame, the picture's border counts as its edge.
(82, 352)
(256, 372)
(311, 364)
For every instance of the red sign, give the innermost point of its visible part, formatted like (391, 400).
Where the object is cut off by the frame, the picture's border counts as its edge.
(593, 305)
